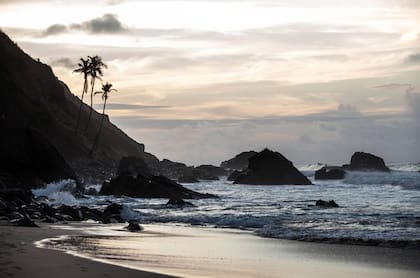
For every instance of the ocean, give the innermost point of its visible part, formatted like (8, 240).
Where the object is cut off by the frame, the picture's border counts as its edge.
(373, 207)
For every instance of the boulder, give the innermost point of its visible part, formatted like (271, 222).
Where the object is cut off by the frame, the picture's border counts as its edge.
(24, 222)
(271, 168)
(134, 226)
(179, 203)
(361, 161)
(326, 204)
(330, 173)
(113, 209)
(149, 187)
(239, 162)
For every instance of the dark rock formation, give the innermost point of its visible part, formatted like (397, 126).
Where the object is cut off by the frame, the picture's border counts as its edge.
(132, 165)
(179, 203)
(361, 161)
(234, 175)
(211, 170)
(330, 173)
(37, 122)
(134, 226)
(239, 162)
(149, 187)
(188, 179)
(326, 204)
(271, 168)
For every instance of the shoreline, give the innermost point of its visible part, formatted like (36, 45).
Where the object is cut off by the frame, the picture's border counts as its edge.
(173, 250)
(20, 258)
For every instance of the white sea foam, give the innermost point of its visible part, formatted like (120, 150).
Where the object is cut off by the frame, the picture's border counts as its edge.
(58, 192)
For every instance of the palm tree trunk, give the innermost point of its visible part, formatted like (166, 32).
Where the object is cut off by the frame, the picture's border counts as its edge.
(81, 104)
(99, 131)
(91, 103)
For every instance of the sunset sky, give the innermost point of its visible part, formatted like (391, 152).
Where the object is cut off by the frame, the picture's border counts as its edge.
(200, 81)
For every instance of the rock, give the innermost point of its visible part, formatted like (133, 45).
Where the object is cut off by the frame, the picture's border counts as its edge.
(91, 192)
(271, 168)
(188, 179)
(131, 165)
(74, 213)
(239, 162)
(149, 187)
(134, 226)
(326, 204)
(24, 222)
(330, 173)
(17, 195)
(234, 175)
(48, 219)
(113, 209)
(361, 161)
(174, 170)
(211, 170)
(179, 203)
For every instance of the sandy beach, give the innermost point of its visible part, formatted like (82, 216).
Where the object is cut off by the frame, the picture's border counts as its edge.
(188, 252)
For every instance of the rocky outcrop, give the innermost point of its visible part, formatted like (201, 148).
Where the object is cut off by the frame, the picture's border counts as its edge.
(37, 115)
(361, 161)
(149, 187)
(210, 170)
(131, 165)
(271, 168)
(330, 173)
(239, 162)
(234, 175)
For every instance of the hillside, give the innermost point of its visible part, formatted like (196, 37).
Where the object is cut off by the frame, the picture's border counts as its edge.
(33, 98)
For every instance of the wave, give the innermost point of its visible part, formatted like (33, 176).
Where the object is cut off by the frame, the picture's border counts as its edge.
(58, 192)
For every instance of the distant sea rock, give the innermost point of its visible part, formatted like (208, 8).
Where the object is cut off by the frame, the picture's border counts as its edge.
(330, 173)
(271, 168)
(149, 187)
(361, 161)
(239, 162)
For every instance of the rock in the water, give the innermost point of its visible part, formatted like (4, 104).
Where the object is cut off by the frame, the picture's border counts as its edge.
(326, 204)
(134, 226)
(234, 175)
(361, 161)
(74, 213)
(188, 179)
(211, 170)
(113, 209)
(330, 173)
(239, 162)
(149, 187)
(179, 203)
(271, 168)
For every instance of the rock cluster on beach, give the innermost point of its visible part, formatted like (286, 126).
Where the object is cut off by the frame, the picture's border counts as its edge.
(271, 168)
(21, 208)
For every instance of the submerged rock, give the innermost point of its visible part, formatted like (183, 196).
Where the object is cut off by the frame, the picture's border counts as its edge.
(330, 173)
(179, 203)
(361, 161)
(271, 168)
(149, 187)
(326, 204)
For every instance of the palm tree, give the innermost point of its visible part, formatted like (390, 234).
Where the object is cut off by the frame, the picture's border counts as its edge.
(106, 89)
(84, 68)
(96, 66)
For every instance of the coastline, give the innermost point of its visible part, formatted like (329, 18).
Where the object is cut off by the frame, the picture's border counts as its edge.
(20, 258)
(188, 251)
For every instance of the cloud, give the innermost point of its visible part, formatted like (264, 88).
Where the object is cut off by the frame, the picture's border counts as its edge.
(122, 106)
(391, 86)
(108, 23)
(414, 58)
(54, 29)
(63, 62)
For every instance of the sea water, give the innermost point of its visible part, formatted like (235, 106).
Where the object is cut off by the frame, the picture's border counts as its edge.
(372, 206)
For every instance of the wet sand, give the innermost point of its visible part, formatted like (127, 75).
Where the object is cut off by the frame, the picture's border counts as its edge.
(19, 258)
(206, 252)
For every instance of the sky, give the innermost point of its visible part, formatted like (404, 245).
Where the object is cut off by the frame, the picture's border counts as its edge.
(200, 81)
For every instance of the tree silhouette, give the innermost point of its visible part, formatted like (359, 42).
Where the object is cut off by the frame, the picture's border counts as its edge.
(84, 68)
(106, 89)
(96, 66)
